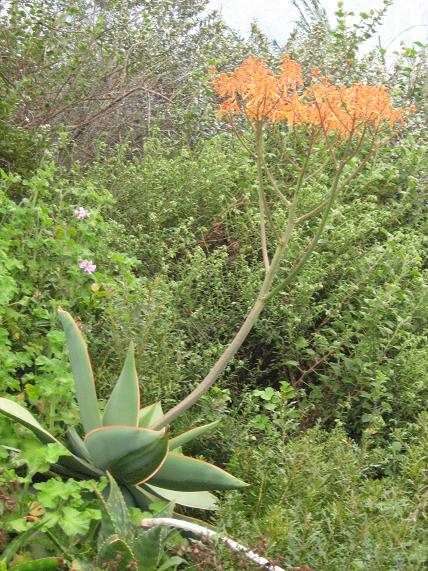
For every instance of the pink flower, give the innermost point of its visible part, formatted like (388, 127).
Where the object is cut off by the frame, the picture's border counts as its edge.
(87, 266)
(80, 213)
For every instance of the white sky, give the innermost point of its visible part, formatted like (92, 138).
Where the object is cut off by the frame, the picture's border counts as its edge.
(276, 17)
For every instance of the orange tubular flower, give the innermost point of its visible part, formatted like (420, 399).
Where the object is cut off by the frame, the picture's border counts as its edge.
(263, 95)
(255, 90)
(347, 109)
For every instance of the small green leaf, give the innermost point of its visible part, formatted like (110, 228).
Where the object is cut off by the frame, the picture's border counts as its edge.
(74, 522)
(123, 405)
(171, 562)
(301, 342)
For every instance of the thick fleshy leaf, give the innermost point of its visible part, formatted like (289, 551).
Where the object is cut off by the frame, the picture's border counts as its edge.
(77, 445)
(80, 466)
(142, 496)
(23, 416)
(123, 405)
(185, 474)
(82, 373)
(71, 463)
(118, 509)
(148, 546)
(150, 414)
(114, 512)
(198, 500)
(131, 454)
(186, 437)
(116, 550)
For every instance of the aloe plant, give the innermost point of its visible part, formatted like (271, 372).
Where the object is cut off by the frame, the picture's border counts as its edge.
(146, 463)
(127, 544)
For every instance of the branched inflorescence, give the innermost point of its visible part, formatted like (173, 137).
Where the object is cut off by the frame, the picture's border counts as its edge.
(261, 94)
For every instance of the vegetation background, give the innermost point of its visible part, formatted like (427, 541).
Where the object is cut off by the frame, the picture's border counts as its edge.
(107, 105)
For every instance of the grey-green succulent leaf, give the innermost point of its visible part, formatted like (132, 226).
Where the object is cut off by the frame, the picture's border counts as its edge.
(123, 406)
(23, 416)
(71, 464)
(150, 414)
(199, 500)
(115, 514)
(115, 549)
(82, 373)
(185, 437)
(186, 474)
(131, 454)
(77, 445)
(148, 547)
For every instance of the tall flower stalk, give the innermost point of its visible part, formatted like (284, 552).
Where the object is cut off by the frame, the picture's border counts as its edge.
(347, 124)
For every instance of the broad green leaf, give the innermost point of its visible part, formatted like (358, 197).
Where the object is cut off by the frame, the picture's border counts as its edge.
(186, 437)
(150, 414)
(198, 500)
(77, 468)
(123, 405)
(182, 473)
(23, 416)
(82, 373)
(79, 465)
(131, 454)
(74, 522)
(77, 445)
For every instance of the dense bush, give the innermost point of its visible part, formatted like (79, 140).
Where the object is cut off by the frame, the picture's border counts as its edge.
(324, 407)
(316, 501)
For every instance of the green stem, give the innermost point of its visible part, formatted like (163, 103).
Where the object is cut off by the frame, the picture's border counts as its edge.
(266, 291)
(244, 330)
(262, 198)
(302, 259)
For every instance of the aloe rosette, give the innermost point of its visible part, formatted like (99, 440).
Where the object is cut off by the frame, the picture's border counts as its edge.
(147, 463)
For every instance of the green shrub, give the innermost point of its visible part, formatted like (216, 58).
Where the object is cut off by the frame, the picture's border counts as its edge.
(317, 503)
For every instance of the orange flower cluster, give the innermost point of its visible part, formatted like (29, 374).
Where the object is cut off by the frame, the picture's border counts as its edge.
(347, 110)
(261, 94)
(253, 88)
